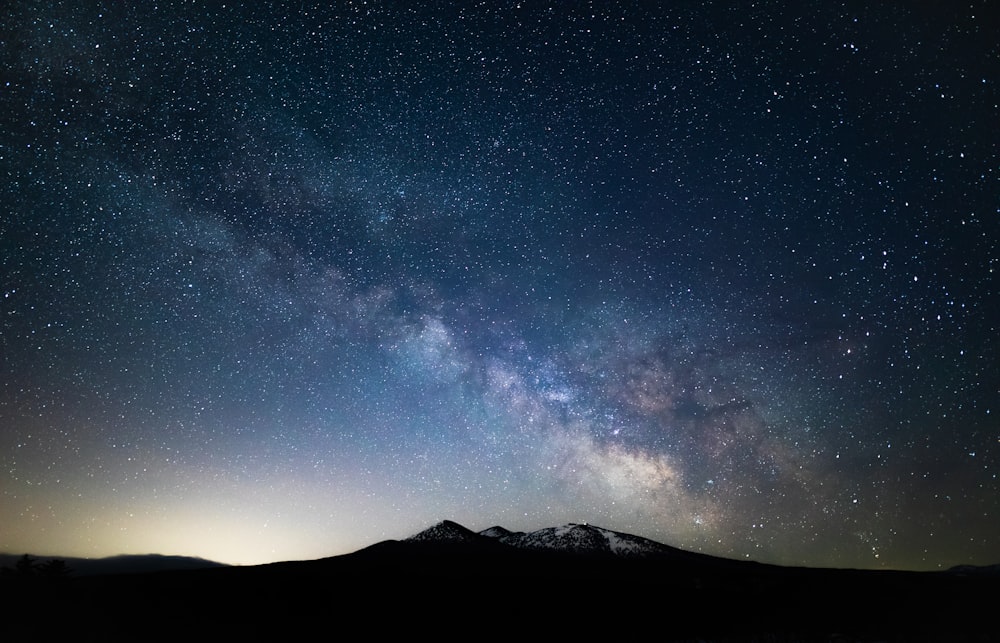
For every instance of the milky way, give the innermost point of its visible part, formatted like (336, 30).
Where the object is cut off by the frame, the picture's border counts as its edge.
(280, 283)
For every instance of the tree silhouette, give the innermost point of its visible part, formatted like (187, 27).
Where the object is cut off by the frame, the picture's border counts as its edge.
(54, 569)
(28, 569)
(26, 566)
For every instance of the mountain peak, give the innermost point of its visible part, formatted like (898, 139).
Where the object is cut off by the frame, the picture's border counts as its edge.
(444, 531)
(497, 532)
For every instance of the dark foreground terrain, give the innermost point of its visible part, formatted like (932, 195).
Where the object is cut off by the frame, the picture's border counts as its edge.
(485, 590)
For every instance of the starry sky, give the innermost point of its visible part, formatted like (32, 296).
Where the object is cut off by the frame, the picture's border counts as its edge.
(280, 282)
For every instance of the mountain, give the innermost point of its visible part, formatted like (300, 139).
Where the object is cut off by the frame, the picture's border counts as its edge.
(571, 539)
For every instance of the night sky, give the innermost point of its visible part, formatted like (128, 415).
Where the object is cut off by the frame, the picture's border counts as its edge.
(281, 283)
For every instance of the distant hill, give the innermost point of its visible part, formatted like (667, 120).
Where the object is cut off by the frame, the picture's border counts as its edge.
(123, 564)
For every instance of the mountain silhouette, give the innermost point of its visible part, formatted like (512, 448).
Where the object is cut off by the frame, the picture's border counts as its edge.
(575, 580)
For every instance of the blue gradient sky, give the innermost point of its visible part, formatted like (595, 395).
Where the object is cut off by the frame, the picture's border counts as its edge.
(277, 283)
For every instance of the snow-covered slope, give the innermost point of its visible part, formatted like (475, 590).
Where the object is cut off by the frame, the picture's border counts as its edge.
(578, 539)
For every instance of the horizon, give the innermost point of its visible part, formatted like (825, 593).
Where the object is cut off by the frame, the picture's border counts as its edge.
(5, 554)
(277, 282)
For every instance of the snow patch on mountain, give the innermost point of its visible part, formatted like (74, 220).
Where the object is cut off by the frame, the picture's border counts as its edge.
(578, 538)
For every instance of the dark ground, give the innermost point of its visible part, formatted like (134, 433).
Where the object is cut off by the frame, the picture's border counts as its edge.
(475, 592)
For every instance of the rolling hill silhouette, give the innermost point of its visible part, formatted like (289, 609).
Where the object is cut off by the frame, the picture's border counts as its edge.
(122, 564)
